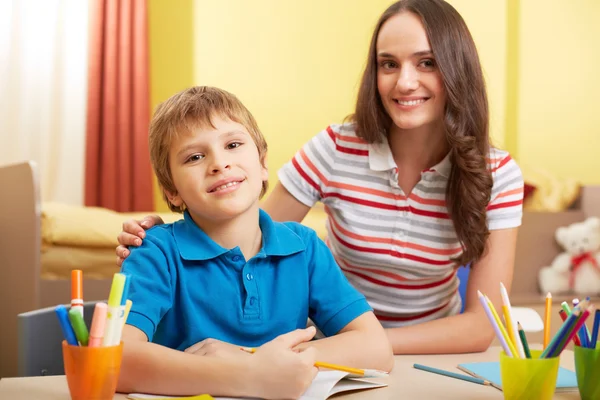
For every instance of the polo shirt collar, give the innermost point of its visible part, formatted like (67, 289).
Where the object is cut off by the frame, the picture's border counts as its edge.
(194, 244)
(381, 159)
(380, 156)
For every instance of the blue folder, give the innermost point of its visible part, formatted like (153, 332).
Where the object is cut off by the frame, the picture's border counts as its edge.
(490, 371)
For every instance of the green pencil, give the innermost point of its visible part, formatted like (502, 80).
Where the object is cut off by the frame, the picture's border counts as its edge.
(523, 340)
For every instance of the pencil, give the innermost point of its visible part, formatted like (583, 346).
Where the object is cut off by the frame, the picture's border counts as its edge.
(565, 306)
(497, 329)
(563, 316)
(510, 344)
(524, 341)
(547, 319)
(511, 324)
(365, 373)
(452, 374)
(596, 328)
(578, 324)
(560, 335)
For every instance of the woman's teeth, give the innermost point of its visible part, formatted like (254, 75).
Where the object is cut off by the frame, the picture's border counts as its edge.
(410, 102)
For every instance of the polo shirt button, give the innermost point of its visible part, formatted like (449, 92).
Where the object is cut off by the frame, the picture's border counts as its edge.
(249, 277)
(236, 258)
(252, 300)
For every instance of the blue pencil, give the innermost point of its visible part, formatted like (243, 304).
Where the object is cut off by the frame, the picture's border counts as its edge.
(594, 341)
(560, 335)
(452, 374)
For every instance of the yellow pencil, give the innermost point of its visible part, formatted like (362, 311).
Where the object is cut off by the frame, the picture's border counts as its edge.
(547, 319)
(509, 342)
(365, 373)
(508, 322)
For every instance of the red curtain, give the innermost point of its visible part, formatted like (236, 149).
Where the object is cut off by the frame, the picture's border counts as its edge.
(118, 174)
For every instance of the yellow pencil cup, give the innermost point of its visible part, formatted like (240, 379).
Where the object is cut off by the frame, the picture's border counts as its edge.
(587, 368)
(528, 378)
(92, 372)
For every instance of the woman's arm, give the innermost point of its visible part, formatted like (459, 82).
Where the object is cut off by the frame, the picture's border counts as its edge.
(282, 206)
(275, 371)
(471, 330)
(361, 344)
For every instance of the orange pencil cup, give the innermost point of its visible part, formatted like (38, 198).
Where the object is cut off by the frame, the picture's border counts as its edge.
(587, 368)
(92, 372)
(528, 378)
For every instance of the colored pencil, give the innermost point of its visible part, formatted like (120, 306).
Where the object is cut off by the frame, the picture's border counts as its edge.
(594, 341)
(524, 341)
(365, 373)
(547, 319)
(560, 335)
(563, 316)
(452, 374)
(497, 329)
(511, 323)
(580, 322)
(565, 306)
(511, 345)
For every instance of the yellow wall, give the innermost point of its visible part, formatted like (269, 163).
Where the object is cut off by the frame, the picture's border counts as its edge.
(297, 65)
(170, 28)
(559, 116)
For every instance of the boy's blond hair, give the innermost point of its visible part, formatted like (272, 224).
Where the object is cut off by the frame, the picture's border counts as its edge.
(190, 109)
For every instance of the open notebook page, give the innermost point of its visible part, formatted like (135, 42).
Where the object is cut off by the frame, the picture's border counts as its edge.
(325, 384)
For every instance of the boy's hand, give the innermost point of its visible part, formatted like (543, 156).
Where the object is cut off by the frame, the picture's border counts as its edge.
(281, 373)
(133, 234)
(214, 347)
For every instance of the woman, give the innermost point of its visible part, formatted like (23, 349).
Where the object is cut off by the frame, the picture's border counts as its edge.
(411, 185)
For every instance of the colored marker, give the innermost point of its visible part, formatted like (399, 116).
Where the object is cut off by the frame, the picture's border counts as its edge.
(112, 315)
(98, 325)
(128, 305)
(77, 290)
(117, 333)
(65, 325)
(79, 327)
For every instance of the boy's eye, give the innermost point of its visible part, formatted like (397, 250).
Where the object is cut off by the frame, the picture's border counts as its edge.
(234, 145)
(194, 157)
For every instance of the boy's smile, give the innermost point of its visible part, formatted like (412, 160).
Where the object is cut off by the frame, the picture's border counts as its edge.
(216, 170)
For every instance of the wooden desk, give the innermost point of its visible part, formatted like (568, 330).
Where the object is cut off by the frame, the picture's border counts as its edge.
(404, 382)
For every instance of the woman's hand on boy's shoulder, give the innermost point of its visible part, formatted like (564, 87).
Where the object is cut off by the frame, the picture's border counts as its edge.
(214, 347)
(134, 231)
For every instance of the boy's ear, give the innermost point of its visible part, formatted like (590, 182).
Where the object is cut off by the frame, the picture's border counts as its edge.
(265, 169)
(174, 198)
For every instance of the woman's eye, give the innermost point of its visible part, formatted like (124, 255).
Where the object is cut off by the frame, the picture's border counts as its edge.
(428, 63)
(234, 145)
(387, 64)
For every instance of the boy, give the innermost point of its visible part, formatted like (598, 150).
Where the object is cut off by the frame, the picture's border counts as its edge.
(228, 276)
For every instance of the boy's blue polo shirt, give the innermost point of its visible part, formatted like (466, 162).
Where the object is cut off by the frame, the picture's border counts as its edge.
(186, 288)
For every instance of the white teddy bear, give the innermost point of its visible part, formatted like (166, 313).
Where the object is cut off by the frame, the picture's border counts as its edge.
(576, 270)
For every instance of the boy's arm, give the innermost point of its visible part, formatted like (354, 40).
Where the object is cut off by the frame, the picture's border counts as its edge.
(354, 335)
(275, 371)
(362, 343)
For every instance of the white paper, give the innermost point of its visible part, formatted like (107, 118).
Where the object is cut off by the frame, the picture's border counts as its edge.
(325, 384)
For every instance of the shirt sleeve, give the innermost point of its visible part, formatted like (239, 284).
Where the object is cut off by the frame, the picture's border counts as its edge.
(150, 287)
(333, 301)
(505, 209)
(306, 176)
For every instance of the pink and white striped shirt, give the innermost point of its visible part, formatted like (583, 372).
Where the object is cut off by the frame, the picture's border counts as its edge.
(395, 249)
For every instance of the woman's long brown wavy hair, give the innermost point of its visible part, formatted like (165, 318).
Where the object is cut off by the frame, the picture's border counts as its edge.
(466, 116)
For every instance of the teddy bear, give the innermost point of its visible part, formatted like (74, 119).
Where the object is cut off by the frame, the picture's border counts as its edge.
(577, 269)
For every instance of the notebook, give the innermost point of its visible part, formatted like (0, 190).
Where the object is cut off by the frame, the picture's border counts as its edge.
(490, 371)
(325, 384)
